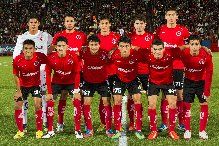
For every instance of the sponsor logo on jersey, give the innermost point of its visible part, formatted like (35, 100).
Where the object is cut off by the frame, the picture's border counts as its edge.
(94, 67)
(30, 74)
(63, 73)
(193, 70)
(167, 45)
(125, 70)
(160, 67)
(73, 49)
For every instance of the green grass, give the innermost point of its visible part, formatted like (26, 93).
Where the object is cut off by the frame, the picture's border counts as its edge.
(8, 127)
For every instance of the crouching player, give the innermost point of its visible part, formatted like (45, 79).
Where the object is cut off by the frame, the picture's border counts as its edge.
(26, 70)
(126, 61)
(161, 78)
(66, 78)
(95, 79)
(198, 79)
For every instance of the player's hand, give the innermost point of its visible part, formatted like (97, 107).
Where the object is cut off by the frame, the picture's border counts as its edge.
(17, 94)
(77, 96)
(135, 48)
(49, 97)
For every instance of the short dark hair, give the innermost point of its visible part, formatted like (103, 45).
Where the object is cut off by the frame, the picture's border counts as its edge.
(69, 14)
(93, 38)
(33, 16)
(158, 42)
(125, 39)
(62, 39)
(105, 17)
(171, 9)
(194, 37)
(140, 17)
(29, 42)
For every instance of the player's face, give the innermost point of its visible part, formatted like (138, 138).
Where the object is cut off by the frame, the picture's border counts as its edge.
(104, 25)
(139, 26)
(171, 17)
(61, 48)
(69, 23)
(28, 50)
(194, 46)
(124, 49)
(94, 47)
(157, 51)
(33, 24)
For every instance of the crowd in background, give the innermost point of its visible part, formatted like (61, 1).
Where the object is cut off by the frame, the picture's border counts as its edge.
(200, 16)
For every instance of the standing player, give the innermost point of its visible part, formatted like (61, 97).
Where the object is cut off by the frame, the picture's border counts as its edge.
(126, 61)
(76, 40)
(108, 41)
(160, 78)
(198, 79)
(173, 35)
(42, 41)
(26, 70)
(95, 79)
(66, 77)
(142, 39)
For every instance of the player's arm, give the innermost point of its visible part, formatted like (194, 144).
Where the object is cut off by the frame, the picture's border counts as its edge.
(208, 76)
(18, 47)
(77, 68)
(17, 81)
(49, 44)
(48, 82)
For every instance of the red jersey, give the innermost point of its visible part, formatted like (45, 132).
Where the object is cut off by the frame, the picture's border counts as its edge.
(95, 66)
(127, 68)
(76, 39)
(173, 37)
(66, 70)
(143, 41)
(198, 68)
(161, 70)
(107, 43)
(28, 71)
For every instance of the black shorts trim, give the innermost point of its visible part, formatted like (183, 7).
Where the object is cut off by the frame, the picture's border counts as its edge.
(58, 88)
(192, 89)
(35, 91)
(143, 78)
(178, 77)
(120, 87)
(88, 89)
(167, 89)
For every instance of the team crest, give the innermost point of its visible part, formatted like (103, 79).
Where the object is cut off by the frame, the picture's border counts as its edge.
(70, 61)
(201, 61)
(36, 63)
(114, 41)
(178, 33)
(78, 37)
(147, 38)
(131, 62)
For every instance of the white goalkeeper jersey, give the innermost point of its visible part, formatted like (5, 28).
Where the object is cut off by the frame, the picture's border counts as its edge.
(42, 41)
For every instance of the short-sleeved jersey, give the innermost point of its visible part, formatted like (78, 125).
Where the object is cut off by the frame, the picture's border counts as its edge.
(76, 40)
(198, 68)
(66, 69)
(127, 68)
(161, 70)
(143, 41)
(107, 43)
(173, 37)
(28, 71)
(42, 41)
(95, 66)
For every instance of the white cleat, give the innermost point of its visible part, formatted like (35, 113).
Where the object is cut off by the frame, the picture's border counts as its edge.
(49, 134)
(187, 135)
(203, 135)
(60, 127)
(78, 135)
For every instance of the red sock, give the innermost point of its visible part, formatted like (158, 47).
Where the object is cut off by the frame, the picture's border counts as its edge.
(87, 117)
(179, 105)
(138, 115)
(108, 116)
(61, 110)
(172, 119)
(187, 115)
(117, 117)
(19, 119)
(152, 119)
(203, 117)
(164, 111)
(77, 114)
(130, 108)
(39, 120)
(102, 112)
(50, 114)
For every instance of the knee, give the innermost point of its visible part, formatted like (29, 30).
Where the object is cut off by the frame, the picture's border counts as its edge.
(152, 105)
(172, 104)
